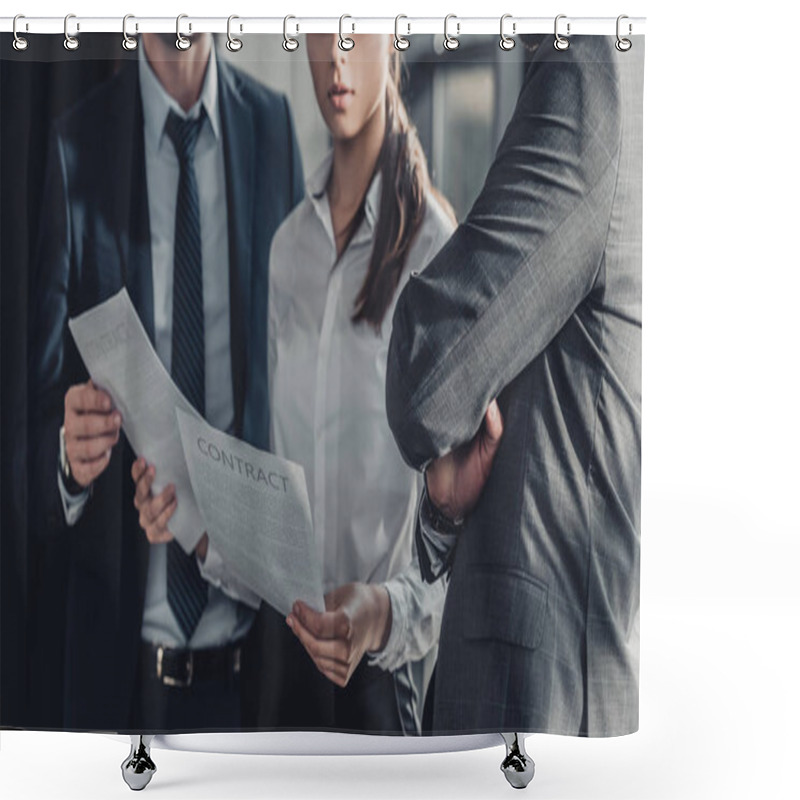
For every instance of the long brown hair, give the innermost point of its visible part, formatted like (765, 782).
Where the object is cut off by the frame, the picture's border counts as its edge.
(404, 184)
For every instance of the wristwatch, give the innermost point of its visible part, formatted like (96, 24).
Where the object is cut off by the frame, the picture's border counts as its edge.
(71, 486)
(439, 521)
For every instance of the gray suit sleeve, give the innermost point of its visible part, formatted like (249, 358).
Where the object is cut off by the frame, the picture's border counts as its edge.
(528, 253)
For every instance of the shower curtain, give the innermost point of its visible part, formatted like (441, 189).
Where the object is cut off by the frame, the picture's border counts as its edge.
(321, 384)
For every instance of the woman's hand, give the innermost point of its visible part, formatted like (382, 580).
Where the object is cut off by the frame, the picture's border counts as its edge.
(154, 511)
(357, 619)
(455, 481)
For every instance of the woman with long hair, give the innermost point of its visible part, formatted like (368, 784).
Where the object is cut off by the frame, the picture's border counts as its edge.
(369, 219)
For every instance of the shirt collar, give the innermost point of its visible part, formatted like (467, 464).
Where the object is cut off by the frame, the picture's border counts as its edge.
(157, 103)
(317, 182)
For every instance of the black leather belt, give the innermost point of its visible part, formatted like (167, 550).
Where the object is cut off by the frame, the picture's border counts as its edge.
(181, 667)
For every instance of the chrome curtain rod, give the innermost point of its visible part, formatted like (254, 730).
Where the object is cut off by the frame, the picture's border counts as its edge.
(408, 26)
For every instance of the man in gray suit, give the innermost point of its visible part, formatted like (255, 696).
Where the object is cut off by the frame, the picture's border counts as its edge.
(536, 301)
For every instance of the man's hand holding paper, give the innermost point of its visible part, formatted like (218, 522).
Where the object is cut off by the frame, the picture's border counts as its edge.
(121, 360)
(155, 511)
(91, 430)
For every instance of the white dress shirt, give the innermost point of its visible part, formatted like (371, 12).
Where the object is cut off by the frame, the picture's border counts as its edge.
(223, 620)
(327, 399)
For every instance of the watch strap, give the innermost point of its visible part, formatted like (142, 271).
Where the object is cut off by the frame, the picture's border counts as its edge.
(439, 521)
(71, 486)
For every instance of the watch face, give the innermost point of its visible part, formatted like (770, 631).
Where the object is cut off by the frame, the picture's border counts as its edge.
(66, 473)
(62, 453)
(439, 522)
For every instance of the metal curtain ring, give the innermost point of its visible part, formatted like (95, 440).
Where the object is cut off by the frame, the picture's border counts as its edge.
(128, 42)
(400, 42)
(451, 42)
(622, 44)
(181, 42)
(233, 44)
(70, 42)
(20, 43)
(506, 42)
(560, 42)
(290, 44)
(345, 42)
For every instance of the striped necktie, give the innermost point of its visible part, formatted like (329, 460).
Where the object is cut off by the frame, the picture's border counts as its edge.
(187, 592)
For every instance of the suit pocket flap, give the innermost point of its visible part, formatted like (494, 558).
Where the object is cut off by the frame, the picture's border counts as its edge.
(505, 605)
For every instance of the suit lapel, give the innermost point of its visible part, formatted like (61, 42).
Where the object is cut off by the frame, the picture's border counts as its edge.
(238, 141)
(131, 212)
(131, 225)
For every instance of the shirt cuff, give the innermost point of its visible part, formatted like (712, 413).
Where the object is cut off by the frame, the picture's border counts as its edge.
(391, 657)
(436, 550)
(216, 572)
(73, 504)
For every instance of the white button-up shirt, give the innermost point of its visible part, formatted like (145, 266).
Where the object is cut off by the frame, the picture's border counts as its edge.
(327, 398)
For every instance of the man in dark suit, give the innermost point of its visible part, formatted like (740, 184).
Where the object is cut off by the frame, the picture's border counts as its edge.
(536, 301)
(170, 180)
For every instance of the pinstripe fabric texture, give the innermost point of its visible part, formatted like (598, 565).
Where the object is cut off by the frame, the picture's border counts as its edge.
(187, 592)
(536, 300)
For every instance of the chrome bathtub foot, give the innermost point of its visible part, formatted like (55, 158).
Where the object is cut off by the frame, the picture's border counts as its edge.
(138, 768)
(517, 766)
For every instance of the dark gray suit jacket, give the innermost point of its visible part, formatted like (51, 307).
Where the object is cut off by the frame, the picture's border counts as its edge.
(95, 240)
(536, 300)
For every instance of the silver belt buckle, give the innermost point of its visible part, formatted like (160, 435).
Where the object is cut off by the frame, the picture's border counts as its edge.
(168, 680)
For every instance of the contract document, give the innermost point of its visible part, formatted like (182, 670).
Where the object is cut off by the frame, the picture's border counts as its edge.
(121, 361)
(257, 513)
